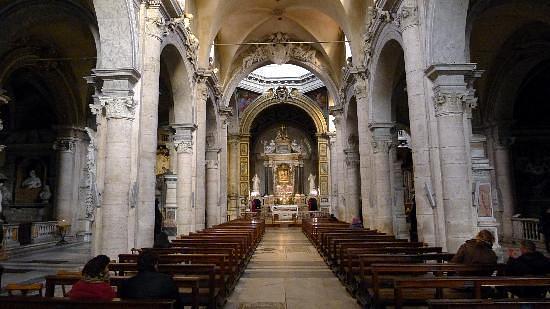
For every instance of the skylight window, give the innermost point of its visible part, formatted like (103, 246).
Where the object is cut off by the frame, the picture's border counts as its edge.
(281, 71)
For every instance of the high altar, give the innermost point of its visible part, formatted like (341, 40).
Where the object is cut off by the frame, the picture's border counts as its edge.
(284, 171)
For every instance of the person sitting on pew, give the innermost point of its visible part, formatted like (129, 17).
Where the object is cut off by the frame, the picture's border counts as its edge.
(478, 251)
(161, 240)
(95, 281)
(530, 262)
(149, 283)
(332, 218)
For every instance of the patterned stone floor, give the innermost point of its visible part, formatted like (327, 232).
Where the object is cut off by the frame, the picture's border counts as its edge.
(34, 266)
(287, 272)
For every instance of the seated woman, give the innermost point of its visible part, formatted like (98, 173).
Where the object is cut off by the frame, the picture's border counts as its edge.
(95, 281)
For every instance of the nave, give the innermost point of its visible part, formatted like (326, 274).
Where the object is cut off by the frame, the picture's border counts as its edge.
(287, 272)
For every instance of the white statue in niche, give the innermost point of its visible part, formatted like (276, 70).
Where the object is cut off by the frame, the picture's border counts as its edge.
(32, 182)
(296, 147)
(45, 194)
(269, 148)
(256, 185)
(312, 189)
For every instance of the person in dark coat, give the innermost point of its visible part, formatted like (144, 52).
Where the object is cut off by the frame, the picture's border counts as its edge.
(149, 283)
(529, 263)
(478, 251)
(95, 281)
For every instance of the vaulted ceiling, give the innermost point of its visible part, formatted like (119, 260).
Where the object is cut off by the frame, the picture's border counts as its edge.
(240, 21)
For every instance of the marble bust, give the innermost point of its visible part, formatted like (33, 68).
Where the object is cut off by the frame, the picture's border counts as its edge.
(32, 182)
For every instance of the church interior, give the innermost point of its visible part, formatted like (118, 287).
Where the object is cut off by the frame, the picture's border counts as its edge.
(276, 153)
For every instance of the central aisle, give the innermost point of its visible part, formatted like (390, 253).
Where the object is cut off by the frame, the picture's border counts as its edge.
(287, 272)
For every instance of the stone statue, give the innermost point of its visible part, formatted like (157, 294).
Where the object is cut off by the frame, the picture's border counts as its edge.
(32, 182)
(256, 184)
(45, 194)
(311, 180)
(296, 147)
(269, 148)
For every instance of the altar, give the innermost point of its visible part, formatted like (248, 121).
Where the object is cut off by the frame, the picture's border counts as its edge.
(285, 212)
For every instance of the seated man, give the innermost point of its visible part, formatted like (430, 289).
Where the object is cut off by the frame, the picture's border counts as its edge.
(478, 251)
(529, 263)
(149, 283)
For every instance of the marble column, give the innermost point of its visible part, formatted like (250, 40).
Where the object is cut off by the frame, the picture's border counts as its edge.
(382, 142)
(504, 179)
(148, 125)
(429, 228)
(183, 142)
(450, 102)
(233, 176)
(223, 165)
(340, 167)
(65, 200)
(353, 187)
(201, 95)
(116, 192)
(213, 213)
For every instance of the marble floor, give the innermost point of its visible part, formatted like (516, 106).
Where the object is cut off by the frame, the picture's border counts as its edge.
(34, 266)
(287, 272)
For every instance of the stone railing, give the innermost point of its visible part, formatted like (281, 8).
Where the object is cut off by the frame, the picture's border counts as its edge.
(44, 231)
(526, 228)
(41, 232)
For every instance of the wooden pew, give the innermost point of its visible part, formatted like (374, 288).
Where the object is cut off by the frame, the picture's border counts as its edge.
(210, 294)
(224, 276)
(185, 283)
(378, 290)
(473, 284)
(21, 302)
(514, 303)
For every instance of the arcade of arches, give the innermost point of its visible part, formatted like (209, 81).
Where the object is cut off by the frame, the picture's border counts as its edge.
(419, 117)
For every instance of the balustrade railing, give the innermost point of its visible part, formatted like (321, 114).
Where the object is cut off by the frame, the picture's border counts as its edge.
(41, 232)
(526, 228)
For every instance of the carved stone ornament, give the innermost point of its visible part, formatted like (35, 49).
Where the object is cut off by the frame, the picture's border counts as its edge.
(407, 17)
(281, 93)
(361, 85)
(92, 197)
(212, 164)
(118, 107)
(449, 103)
(382, 146)
(352, 158)
(156, 27)
(65, 144)
(183, 140)
(279, 52)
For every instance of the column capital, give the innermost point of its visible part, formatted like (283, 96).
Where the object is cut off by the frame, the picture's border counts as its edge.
(212, 164)
(183, 137)
(233, 139)
(453, 87)
(116, 107)
(65, 144)
(383, 137)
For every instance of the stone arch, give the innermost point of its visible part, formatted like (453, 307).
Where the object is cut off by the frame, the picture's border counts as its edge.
(237, 77)
(386, 62)
(181, 82)
(113, 18)
(446, 19)
(298, 100)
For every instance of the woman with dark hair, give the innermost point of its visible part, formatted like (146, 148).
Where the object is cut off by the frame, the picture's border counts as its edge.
(95, 281)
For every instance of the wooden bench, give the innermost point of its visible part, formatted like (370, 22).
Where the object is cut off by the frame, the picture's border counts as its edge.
(183, 283)
(514, 303)
(472, 284)
(20, 302)
(378, 288)
(210, 291)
